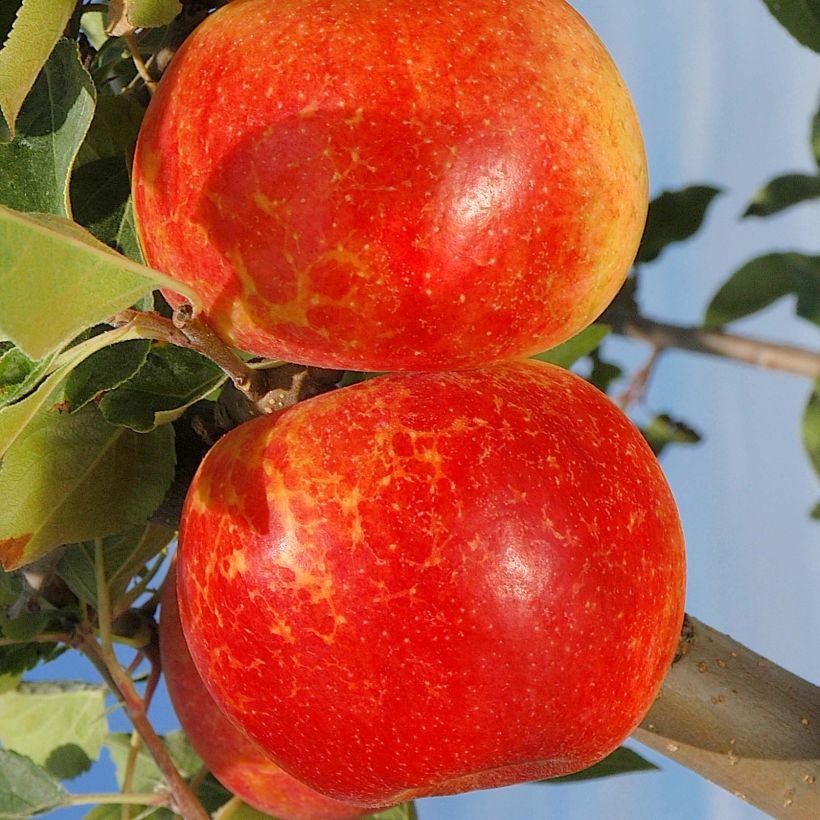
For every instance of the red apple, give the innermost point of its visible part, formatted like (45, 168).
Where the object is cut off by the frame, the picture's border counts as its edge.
(429, 583)
(402, 185)
(235, 760)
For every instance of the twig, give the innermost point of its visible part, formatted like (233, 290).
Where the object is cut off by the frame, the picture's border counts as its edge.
(45, 637)
(142, 70)
(130, 798)
(103, 598)
(103, 657)
(636, 389)
(760, 352)
(130, 770)
(140, 588)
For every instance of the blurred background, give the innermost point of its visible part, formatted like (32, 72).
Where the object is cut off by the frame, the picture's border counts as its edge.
(725, 97)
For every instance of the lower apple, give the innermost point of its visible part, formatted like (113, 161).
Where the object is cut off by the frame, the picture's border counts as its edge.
(429, 583)
(235, 760)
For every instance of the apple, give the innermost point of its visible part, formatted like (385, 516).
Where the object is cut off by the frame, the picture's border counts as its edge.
(404, 185)
(429, 583)
(235, 760)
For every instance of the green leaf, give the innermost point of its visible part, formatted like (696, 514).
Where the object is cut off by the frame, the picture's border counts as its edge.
(663, 430)
(603, 373)
(621, 761)
(74, 477)
(18, 658)
(673, 217)
(783, 192)
(405, 811)
(801, 18)
(93, 26)
(101, 183)
(237, 809)
(150, 13)
(242, 811)
(815, 137)
(14, 418)
(172, 379)
(815, 512)
(19, 375)
(103, 371)
(26, 789)
(125, 554)
(764, 280)
(580, 345)
(78, 280)
(8, 682)
(811, 427)
(38, 26)
(147, 776)
(60, 726)
(100, 191)
(113, 130)
(127, 241)
(25, 625)
(35, 167)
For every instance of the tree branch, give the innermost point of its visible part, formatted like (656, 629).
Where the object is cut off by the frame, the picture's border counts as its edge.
(740, 721)
(758, 352)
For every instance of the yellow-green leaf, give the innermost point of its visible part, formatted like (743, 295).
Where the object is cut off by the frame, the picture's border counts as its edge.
(57, 280)
(15, 417)
(125, 16)
(75, 477)
(38, 26)
(36, 166)
(60, 726)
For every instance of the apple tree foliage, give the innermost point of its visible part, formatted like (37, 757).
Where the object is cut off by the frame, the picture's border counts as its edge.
(97, 416)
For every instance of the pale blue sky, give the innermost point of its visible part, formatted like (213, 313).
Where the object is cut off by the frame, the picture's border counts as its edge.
(725, 97)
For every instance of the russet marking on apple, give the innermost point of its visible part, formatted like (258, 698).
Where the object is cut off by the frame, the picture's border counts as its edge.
(237, 762)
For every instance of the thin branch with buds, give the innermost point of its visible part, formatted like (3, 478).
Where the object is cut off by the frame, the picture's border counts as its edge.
(759, 352)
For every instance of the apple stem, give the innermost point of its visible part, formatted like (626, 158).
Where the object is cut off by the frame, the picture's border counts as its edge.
(201, 338)
(192, 332)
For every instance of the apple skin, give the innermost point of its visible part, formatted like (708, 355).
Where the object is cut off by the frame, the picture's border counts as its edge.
(401, 185)
(430, 583)
(235, 760)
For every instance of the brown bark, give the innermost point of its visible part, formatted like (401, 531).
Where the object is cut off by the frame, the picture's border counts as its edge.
(740, 721)
(759, 352)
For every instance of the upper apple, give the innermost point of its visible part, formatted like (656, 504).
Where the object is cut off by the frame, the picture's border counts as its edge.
(403, 185)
